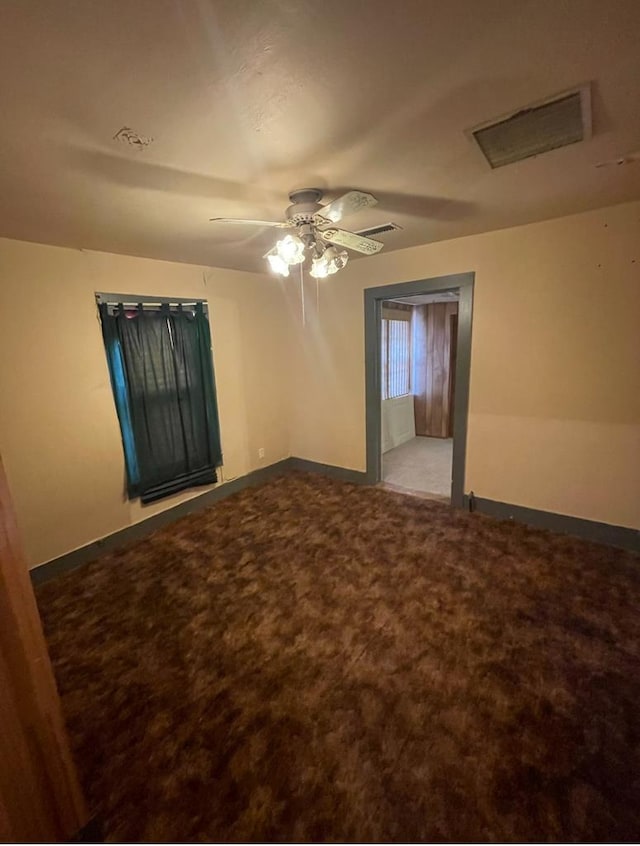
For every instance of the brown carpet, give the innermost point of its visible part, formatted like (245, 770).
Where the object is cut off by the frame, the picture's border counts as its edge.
(311, 660)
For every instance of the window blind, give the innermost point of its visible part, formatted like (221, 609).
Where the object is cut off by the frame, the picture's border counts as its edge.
(396, 358)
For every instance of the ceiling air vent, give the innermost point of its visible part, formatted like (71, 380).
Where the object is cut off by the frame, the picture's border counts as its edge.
(378, 230)
(556, 122)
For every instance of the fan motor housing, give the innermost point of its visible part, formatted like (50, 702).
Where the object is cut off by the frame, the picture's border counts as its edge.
(305, 205)
(306, 195)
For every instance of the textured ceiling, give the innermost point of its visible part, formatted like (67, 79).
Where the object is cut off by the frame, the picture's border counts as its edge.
(248, 99)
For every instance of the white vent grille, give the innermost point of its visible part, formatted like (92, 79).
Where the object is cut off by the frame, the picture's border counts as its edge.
(562, 120)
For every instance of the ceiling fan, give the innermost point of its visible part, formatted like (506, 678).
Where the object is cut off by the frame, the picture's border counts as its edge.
(314, 230)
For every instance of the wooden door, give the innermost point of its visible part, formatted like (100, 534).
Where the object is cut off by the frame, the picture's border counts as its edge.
(432, 387)
(40, 799)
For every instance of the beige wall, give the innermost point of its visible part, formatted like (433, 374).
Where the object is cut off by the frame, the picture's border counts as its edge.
(554, 418)
(59, 435)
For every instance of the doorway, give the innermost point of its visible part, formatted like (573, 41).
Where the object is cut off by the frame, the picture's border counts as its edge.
(417, 345)
(417, 387)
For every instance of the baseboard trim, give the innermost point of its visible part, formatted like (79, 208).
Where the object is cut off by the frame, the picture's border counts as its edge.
(591, 530)
(85, 554)
(616, 536)
(358, 477)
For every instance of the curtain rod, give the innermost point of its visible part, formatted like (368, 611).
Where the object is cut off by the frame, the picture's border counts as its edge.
(155, 303)
(133, 299)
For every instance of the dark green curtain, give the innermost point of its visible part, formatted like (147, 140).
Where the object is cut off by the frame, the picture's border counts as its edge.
(167, 407)
(120, 387)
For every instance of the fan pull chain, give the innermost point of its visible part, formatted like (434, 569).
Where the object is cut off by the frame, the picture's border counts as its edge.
(304, 317)
(317, 298)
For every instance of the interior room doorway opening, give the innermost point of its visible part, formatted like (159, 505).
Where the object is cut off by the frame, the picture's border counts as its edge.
(418, 342)
(417, 391)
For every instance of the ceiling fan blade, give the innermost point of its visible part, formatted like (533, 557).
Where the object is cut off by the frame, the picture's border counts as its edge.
(249, 222)
(418, 205)
(352, 241)
(350, 202)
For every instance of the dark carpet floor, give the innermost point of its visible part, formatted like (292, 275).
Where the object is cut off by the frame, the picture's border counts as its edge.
(311, 660)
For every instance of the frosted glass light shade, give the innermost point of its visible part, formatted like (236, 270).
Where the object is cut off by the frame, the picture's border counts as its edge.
(330, 262)
(278, 265)
(319, 268)
(291, 249)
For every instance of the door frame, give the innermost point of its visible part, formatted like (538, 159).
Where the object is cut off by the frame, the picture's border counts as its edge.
(373, 299)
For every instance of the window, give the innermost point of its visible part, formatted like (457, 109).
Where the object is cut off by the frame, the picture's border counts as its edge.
(163, 384)
(396, 358)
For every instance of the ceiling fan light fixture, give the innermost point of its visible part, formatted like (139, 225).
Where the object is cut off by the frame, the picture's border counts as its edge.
(319, 267)
(309, 217)
(277, 264)
(338, 260)
(330, 262)
(290, 249)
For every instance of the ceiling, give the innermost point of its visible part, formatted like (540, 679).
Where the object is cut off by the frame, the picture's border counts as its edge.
(248, 99)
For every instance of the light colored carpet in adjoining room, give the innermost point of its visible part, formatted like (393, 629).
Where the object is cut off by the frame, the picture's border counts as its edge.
(421, 464)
